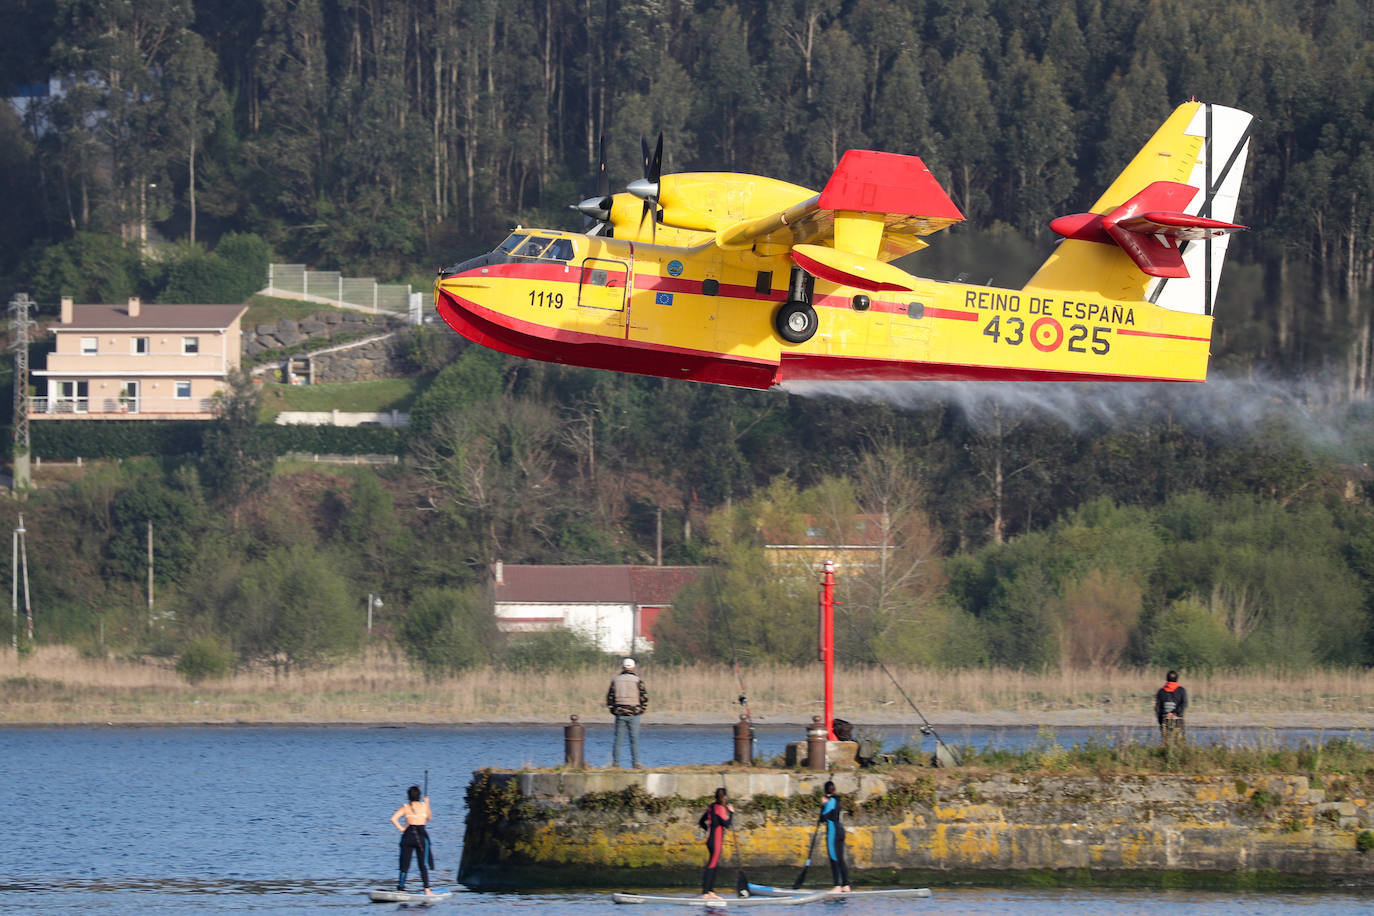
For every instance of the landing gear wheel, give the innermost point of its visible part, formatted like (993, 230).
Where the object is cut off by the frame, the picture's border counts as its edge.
(796, 321)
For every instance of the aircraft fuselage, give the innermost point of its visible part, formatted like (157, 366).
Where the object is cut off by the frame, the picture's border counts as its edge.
(706, 313)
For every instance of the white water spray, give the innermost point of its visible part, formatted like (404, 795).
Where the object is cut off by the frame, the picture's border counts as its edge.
(1312, 409)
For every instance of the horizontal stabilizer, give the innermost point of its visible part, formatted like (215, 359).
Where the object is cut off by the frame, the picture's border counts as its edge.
(845, 269)
(1179, 225)
(1148, 227)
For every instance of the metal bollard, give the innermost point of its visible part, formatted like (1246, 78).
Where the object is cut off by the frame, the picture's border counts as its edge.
(574, 737)
(744, 740)
(816, 737)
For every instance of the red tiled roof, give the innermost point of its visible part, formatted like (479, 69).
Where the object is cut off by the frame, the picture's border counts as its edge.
(593, 584)
(660, 584)
(152, 317)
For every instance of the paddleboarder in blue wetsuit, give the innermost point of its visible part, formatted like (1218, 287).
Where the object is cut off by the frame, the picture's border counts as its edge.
(834, 840)
(714, 821)
(414, 837)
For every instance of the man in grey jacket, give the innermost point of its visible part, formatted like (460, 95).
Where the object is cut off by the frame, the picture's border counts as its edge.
(627, 699)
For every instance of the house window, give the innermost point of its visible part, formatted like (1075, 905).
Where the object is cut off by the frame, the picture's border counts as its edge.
(90, 345)
(72, 397)
(190, 345)
(184, 391)
(140, 346)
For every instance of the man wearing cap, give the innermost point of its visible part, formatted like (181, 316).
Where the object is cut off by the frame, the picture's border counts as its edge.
(1170, 702)
(627, 699)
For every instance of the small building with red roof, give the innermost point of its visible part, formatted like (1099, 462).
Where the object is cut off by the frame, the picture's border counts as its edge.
(613, 606)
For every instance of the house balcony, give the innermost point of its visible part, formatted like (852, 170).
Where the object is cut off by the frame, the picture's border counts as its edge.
(121, 408)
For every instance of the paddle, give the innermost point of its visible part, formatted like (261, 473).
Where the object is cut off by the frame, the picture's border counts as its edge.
(801, 878)
(429, 849)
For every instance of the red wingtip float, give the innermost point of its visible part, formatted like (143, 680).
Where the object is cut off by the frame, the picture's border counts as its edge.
(1148, 227)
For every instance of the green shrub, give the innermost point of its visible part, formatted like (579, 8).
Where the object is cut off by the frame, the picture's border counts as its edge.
(447, 630)
(69, 439)
(205, 658)
(1364, 840)
(552, 650)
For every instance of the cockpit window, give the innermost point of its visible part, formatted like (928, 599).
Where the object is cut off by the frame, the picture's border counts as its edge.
(524, 245)
(532, 248)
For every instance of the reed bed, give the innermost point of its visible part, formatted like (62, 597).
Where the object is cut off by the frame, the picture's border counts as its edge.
(56, 685)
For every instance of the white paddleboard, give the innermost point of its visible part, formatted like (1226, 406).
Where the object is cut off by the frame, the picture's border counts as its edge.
(384, 895)
(765, 890)
(724, 902)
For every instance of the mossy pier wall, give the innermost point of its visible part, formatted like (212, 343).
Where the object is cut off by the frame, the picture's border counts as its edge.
(923, 826)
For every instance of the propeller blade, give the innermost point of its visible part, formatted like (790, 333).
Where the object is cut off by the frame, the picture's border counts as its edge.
(603, 183)
(653, 221)
(654, 169)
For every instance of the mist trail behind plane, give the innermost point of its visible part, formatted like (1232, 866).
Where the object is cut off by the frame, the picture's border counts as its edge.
(1315, 410)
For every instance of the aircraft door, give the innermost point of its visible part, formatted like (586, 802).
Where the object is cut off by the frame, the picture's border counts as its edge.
(602, 285)
(601, 292)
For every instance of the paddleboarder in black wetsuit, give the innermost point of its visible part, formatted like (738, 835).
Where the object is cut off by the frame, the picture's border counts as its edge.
(714, 821)
(834, 840)
(414, 837)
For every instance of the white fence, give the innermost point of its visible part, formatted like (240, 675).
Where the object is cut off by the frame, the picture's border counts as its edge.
(293, 281)
(341, 418)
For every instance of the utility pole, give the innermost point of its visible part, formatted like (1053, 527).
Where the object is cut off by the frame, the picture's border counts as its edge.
(150, 572)
(20, 326)
(20, 555)
(14, 591)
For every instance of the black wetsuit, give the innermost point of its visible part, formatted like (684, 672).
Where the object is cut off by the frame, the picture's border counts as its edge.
(415, 838)
(834, 841)
(713, 821)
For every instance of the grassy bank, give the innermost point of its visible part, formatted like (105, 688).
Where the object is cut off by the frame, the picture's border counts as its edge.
(58, 686)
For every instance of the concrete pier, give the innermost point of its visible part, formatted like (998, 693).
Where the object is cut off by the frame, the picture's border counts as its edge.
(639, 828)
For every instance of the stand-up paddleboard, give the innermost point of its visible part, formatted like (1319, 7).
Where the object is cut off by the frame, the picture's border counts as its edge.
(383, 895)
(764, 890)
(724, 902)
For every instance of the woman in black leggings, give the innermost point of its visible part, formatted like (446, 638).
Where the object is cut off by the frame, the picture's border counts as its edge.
(414, 837)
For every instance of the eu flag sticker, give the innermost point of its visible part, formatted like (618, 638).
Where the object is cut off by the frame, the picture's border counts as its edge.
(663, 298)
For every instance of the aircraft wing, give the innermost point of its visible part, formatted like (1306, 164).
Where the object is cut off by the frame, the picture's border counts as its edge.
(876, 205)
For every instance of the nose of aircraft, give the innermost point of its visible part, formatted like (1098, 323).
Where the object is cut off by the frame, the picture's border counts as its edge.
(482, 260)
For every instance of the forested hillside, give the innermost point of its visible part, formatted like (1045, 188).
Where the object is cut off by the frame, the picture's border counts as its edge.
(392, 136)
(1210, 526)
(1035, 526)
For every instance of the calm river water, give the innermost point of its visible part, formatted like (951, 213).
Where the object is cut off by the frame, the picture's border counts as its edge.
(295, 819)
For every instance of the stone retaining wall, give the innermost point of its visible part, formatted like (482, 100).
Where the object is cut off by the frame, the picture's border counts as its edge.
(373, 360)
(638, 829)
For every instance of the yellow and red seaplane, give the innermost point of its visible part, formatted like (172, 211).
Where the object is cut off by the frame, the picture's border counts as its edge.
(749, 281)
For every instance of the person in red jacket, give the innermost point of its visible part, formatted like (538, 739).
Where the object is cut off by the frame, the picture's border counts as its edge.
(714, 821)
(1170, 702)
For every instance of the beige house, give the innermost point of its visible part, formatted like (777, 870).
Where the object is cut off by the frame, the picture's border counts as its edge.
(153, 362)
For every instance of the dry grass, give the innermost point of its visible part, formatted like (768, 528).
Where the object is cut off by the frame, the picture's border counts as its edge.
(57, 686)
